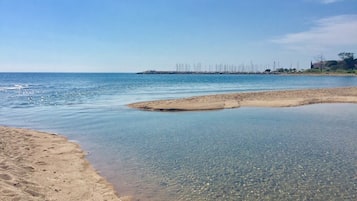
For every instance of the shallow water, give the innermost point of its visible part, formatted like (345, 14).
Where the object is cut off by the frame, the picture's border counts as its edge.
(301, 153)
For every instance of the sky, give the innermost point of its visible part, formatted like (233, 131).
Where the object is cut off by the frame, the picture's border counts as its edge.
(138, 35)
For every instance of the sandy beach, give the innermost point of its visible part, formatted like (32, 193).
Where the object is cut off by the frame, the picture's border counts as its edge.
(286, 98)
(41, 166)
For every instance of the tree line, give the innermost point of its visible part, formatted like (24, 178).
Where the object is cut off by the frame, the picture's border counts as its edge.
(347, 63)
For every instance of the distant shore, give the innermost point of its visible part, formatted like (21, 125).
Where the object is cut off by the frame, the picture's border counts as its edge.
(286, 98)
(41, 166)
(154, 72)
(200, 72)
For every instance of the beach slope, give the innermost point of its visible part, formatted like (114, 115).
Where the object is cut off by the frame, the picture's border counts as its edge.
(42, 166)
(286, 98)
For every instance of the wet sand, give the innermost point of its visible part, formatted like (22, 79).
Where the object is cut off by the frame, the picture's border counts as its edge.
(41, 166)
(286, 98)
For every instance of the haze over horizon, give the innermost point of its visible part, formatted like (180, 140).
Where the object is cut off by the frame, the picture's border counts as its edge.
(138, 35)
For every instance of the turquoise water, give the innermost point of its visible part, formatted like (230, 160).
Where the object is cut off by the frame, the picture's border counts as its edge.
(301, 153)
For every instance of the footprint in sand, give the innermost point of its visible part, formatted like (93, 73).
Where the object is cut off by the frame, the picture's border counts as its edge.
(41, 163)
(4, 167)
(29, 168)
(5, 177)
(33, 192)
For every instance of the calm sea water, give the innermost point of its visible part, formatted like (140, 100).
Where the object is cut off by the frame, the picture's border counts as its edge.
(301, 153)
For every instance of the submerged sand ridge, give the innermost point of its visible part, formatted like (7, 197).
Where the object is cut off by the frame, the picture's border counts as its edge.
(42, 166)
(286, 98)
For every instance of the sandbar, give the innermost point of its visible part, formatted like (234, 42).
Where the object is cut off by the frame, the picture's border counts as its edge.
(42, 166)
(284, 98)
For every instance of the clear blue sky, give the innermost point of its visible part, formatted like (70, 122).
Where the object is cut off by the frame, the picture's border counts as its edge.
(136, 35)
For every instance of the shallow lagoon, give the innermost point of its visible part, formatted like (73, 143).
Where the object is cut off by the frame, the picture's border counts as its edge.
(302, 153)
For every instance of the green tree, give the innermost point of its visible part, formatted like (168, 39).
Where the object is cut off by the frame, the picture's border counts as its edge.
(346, 55)
(348, 60)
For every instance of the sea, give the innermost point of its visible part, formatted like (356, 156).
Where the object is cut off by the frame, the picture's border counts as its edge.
(250, 153)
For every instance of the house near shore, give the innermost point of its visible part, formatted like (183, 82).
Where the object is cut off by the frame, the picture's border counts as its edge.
(333, 65)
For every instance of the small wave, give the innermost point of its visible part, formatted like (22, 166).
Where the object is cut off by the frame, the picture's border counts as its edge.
(14, 87)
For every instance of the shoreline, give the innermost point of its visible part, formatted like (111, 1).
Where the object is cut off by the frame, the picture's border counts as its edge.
(284, 98)
(36, 165)
(155, 72)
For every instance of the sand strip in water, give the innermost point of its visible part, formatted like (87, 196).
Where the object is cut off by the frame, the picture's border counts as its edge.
(41, 166)
(286, 98)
